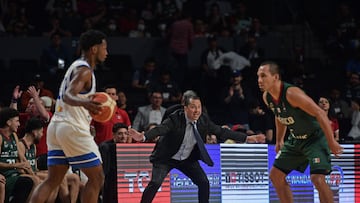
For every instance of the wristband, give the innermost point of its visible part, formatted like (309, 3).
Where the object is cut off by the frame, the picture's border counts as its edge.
(13, 100)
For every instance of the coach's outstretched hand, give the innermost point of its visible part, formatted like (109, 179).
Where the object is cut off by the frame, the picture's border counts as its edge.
(139, 137)
(258, 138)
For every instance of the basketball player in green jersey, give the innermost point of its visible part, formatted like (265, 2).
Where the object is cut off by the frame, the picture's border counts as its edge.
(310, 134)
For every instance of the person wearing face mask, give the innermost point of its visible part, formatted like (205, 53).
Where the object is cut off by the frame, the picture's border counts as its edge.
(111, 28)
(140, 31)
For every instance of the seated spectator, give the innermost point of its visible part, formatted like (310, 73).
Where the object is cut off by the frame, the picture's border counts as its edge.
(236, 99)
(142, 77)
(123, 104)
(324, 104)
(55, 26)
(355, 120)
(103, 130)
(141, 30)
(200, 29)
(210, 76)
(352, 90)
(151, 113)
(252, 52)
(227, 63)
(241, 19)
(170, 90)
(39, 83)
(256, 29)
(108, 154)
(56, 56)
(215, 19)
(342, 111)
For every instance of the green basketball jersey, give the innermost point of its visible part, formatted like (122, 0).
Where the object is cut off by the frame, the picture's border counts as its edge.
(9, 153)
(300, 124)
(30, 155)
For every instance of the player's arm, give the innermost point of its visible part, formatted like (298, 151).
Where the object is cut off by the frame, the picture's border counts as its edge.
(24, 164)
(81, 81)
(280, 129)
(37, 101)
(297, 98)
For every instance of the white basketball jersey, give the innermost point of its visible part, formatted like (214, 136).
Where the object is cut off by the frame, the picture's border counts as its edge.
(76, 115)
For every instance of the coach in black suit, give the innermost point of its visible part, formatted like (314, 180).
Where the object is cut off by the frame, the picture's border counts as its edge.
(178, 148)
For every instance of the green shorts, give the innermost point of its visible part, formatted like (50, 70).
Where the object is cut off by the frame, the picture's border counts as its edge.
(11, 177)
(297, 154)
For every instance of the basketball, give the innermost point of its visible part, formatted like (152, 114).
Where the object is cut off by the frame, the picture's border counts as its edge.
(107, 107)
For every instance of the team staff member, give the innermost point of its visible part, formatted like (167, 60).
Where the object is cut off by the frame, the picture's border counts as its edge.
(178, 147)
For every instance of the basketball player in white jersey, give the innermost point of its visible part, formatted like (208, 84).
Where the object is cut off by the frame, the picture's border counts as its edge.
(68, 137)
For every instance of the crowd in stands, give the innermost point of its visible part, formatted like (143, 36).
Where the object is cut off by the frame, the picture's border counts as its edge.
(226, 81)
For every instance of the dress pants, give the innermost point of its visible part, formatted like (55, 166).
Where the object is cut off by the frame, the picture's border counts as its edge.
(190, 168)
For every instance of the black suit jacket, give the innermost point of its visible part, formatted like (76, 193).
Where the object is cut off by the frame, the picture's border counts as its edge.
(172, 132)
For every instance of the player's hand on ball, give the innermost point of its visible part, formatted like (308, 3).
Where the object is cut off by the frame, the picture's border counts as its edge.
(93, 107)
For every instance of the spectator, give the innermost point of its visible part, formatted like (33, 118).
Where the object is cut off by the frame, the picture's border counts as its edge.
(111, 28)
(124, 105)
(338, 105)
(151, 113)
(341, 110)
(241, 20)
(166, 10)
(141, 30)
(210, 77)
(56, 56)
(49, 103)
(324, 104)
(145, 75)
(237, 99)
(103, 130)
(55, 26)
(200, 30)
(170, 90)
(256, 29)
(353, 64)
(215, 20)
(108, 155)
(226, 64)
(355, 120)
(181, 35)
(128, 21)
(353, 87)
(61, 8)
(255, 55)
(252, 51)
(39, 83)
(209, 56)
